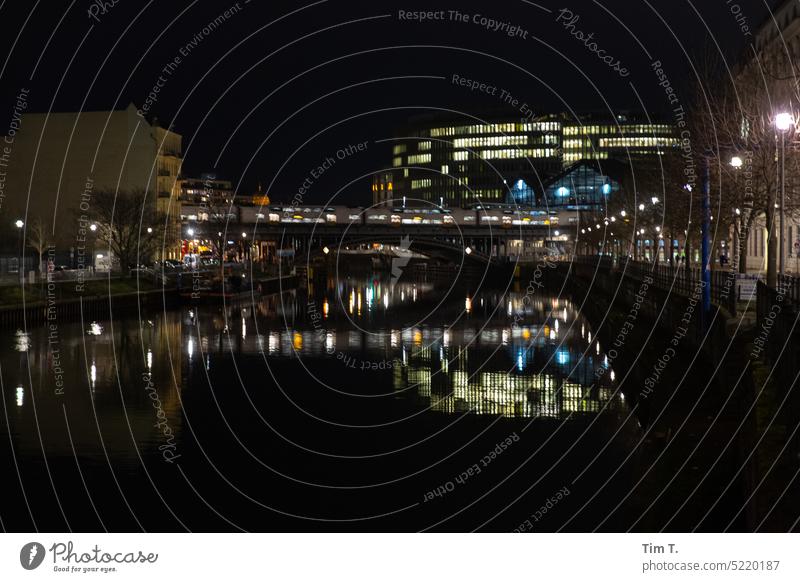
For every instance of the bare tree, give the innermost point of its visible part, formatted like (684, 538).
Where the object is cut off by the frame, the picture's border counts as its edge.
(39, 240)
(733, 116)
(129, 224)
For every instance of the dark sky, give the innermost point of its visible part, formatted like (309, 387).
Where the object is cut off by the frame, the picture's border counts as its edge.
(344, 72)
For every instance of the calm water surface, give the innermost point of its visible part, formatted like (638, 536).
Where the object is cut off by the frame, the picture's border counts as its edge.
(355, 405)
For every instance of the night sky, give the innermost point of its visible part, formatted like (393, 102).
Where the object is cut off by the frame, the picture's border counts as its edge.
(279, 86)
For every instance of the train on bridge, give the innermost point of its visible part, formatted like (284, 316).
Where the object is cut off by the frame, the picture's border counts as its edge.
(484, 216)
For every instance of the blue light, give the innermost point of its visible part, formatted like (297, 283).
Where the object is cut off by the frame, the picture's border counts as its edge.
(606, 189)
(562, 191)
(520, 185)
(562, 357)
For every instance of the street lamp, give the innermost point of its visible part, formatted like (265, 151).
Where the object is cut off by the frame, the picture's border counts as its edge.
(20, 247)
(784, 122)
(641, 207)
(737, 162)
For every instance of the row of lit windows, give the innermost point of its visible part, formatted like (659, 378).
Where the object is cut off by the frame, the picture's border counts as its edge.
(496, 128)
(417, 184)
(419, 159)
(614, 129)
(511, 154)
(575, 157)
(424, 146)
(397, 162)
(636, 142)
(575, 144)
(493, 141)
(399, 149)
(507, 154)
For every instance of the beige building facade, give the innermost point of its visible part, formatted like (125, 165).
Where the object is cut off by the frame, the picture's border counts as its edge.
(56, 162)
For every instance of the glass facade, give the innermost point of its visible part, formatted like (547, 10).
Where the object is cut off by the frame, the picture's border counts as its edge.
(465, 164)
(581, 187)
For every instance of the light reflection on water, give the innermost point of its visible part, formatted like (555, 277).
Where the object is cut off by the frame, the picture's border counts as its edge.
(512, 355)
(490, 354)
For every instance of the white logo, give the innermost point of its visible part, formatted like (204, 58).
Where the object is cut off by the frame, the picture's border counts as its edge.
(400, 261)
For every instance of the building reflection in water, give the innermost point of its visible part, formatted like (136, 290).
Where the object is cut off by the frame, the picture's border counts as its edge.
(496, 354)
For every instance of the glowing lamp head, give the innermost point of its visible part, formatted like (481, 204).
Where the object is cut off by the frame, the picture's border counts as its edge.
(19, 224)
(784, 121)
(737, 162)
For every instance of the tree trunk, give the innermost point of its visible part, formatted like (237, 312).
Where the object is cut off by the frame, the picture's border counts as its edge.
(747, 226)
(772, 246)
(743, 260)
(687, 253)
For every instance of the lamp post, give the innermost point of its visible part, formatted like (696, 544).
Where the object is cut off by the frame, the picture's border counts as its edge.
(20, 247)
(705, 230)
(784, 122)
(93, 229)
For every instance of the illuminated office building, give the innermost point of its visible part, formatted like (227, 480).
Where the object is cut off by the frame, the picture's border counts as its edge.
(507, 161)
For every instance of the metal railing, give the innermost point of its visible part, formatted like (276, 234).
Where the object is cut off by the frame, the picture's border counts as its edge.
(680, 280)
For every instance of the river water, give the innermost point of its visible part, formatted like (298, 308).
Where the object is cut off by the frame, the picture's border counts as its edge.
(354, 405)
